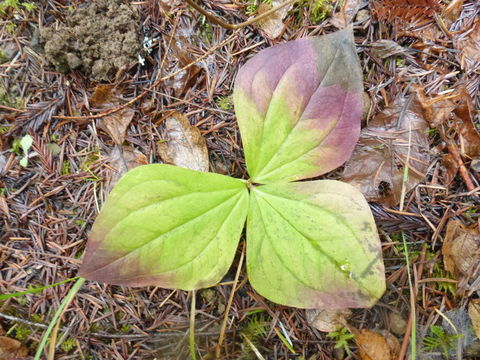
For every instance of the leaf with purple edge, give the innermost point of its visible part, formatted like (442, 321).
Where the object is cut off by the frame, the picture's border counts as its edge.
(167, 226)
(298, 106)
(314, 244)
(309, 244)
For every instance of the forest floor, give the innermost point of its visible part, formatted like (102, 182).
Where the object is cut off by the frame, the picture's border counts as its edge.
(60, 154)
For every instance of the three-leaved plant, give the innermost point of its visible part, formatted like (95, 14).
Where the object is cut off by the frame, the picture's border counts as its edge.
(310, 244)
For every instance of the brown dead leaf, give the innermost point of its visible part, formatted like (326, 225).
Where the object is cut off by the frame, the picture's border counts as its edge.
(469, 47)
(273, 24)
(116, 124)
(101, 95)
(397, 324)
(451, 167)
(452, 116)
(327, 320)
(474, 313)
(464, 126)
(104, 98)
(346, 14)
(374, 345)
(4, 206)
(184, 145)
(376, 166)
(461, 249)
(386, 48)
(11, 349)
(123, 159)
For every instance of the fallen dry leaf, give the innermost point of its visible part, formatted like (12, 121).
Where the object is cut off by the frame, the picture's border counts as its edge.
(461, 249)
(397, 324)
(376, 166)
(184, 145)
(374, 345)
(469, 47)
(4, 206)
(104, 98)
(273, 24)
(11, 349)
(451, 167)
(101, 95)
(123, 159)
(453, 118)
(474, 313)
(116, 124)
(464, 126)
(327, 320)
(346, 14)
(386, 48)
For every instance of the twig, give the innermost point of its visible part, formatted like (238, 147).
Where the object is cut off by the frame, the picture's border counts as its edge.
(229, 26)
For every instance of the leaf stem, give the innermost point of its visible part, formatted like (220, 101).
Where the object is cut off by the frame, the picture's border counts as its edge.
(191, 337)
(229, 304)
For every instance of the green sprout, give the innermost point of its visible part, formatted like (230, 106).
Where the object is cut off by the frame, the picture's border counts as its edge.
(440, 340)
(341, 338)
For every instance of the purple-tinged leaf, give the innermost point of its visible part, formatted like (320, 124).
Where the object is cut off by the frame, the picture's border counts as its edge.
(167, 226)
(314, 244)
(298, 106)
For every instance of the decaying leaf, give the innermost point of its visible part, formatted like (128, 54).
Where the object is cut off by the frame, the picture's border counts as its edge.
(166, 226)
(123, 159)
(376, 166)
(180, 55)
(374, 345)
(386, 48)
(474, 313)
(11, 349)
(298, 106)
(116, 124)
(469, 47)
(314, 245)
(4, 206)
(273, 24)
(101, 95)
(346, 14)
(461, 249)
(184, 146)
(104, 97)
(327, 320)
(397, 324)
(453, 118)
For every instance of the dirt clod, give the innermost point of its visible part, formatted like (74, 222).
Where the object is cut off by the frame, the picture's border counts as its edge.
(100, 39)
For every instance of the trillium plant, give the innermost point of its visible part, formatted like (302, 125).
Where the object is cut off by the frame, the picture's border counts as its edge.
(310, 244)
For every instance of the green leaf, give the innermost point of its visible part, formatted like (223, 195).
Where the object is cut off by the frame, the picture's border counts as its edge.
(298, 106)
(314, 245)
(26, 142)
(167, 226)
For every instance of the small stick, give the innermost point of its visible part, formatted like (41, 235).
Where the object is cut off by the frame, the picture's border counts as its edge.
(229, 26)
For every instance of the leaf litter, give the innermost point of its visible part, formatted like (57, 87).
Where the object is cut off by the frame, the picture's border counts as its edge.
(396, 135)
(62, 214)
(183, 144)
